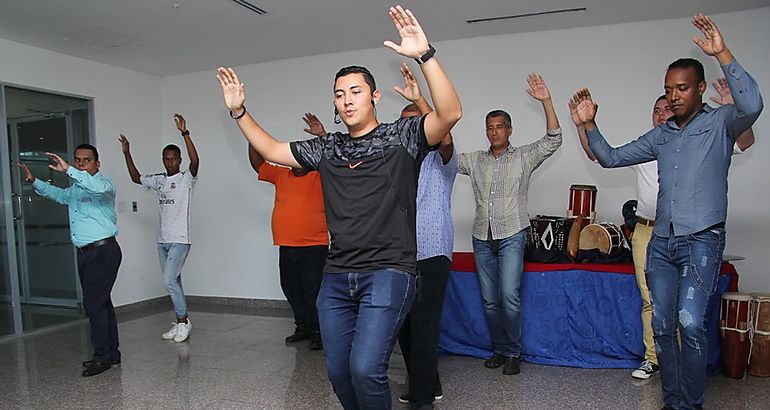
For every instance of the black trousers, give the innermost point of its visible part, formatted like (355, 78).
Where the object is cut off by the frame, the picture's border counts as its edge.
(421, 330)
(301, 273)
(98, 269)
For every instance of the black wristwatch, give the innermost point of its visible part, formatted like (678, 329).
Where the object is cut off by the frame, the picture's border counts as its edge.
(427, 56)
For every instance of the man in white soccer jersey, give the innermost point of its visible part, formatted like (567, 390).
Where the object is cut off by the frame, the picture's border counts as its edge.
(174, 191)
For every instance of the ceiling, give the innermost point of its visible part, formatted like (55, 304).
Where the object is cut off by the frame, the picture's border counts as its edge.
(167, 37)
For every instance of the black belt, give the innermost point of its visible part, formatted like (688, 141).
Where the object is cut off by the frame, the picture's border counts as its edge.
(644, 221)
(94, 245)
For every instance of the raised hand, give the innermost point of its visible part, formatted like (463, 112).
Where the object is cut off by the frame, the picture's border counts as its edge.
(725, 96)
(232, 89)
(314, 125)
(573, 113)
(58, 163)
(181, 124)
(411, 90)
(414, 43)
(537, 88)
(27, 173)
(124, 145)
(585, 109)
(712, 43)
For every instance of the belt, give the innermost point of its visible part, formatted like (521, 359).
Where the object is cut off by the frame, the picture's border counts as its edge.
(645, 222)
(94, 245)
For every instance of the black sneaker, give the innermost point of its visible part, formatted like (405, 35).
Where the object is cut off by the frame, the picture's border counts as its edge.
(495, 361)
(512, 366)
(645, 370)
(298, 336)
(437, 395)
(315, 342)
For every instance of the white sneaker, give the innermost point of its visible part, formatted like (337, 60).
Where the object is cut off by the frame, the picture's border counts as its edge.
(645, 370)
(183, 331)
(171, 333)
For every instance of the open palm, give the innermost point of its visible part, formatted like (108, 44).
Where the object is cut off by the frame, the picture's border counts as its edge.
(232, 88)
(537, 88)
(414, 43)
(712, 42)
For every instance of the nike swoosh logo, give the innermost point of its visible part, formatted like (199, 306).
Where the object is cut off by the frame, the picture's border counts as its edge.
(354, 166)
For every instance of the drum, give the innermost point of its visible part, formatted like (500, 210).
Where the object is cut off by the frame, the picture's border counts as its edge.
(582, 201)
(734, 322)
(759, 358)
(605, 236)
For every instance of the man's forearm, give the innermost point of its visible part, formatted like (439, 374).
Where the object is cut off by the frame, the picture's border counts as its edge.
(192, 153)
(267, 146)
(446, 103)
(551, 120)
(745, 90)
(134, 173)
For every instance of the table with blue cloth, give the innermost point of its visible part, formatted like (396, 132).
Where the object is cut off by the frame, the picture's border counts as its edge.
(579, 315)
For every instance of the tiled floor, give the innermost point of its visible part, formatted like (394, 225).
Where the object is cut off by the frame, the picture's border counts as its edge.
(239, 361)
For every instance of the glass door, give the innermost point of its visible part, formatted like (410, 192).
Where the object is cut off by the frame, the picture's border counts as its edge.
(46, 266)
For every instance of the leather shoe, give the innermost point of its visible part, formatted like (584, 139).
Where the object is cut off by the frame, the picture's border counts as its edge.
(298, 336)
(315, 342)
(95, 368)
(90, 362)
(512, 366)
(495, 361)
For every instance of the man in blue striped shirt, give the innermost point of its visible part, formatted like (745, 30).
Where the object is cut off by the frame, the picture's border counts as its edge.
(693, 149)
(91, 202)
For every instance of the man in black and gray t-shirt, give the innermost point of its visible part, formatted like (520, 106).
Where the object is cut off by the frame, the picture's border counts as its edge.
(369, 178)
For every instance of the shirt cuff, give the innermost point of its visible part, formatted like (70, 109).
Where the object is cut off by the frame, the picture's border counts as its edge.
(554, 132)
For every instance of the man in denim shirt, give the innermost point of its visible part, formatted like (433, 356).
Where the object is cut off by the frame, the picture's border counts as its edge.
(693, 150)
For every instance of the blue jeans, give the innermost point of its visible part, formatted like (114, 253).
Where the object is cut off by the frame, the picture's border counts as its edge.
(500, 263)
(682, 274)
(360, 315)
(172, 258)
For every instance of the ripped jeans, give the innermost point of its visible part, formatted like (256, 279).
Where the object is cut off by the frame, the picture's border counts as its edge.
(682, 273)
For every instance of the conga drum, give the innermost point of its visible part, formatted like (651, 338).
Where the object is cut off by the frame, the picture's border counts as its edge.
(604, 236)
(582, 202)
(759, 359)
(734, 322)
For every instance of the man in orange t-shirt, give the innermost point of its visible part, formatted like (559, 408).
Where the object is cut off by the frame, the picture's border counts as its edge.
(299, 230)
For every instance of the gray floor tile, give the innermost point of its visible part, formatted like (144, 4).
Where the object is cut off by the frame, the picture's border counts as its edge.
(237, 360)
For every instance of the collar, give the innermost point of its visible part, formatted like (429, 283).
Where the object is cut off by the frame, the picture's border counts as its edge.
(705, 108)
(508, 150)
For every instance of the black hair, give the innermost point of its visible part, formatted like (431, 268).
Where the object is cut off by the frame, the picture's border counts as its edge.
(410, 107)
(354, 69)
(173, 147)
(662, 97)
(499, 113)
(89, 147)
(690, 63)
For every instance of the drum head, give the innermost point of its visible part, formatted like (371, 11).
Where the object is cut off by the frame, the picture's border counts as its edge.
(594, 236)
(744, 297)
(582, 188)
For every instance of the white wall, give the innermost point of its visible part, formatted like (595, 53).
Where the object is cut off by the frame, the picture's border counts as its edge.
(233, 254)
(124, 101)
(623, 65)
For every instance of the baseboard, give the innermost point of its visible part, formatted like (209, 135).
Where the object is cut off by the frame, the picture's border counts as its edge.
(214, 304)
(247, 303)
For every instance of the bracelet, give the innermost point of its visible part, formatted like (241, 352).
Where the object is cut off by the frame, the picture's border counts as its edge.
(427, 56)
(186, 133)
(240, 115)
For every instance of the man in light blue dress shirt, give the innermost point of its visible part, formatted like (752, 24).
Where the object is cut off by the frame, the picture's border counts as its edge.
(693, 149)
(91, 203)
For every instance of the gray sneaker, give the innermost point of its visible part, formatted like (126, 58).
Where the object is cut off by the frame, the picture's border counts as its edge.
(170, 334)
(183, 331)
